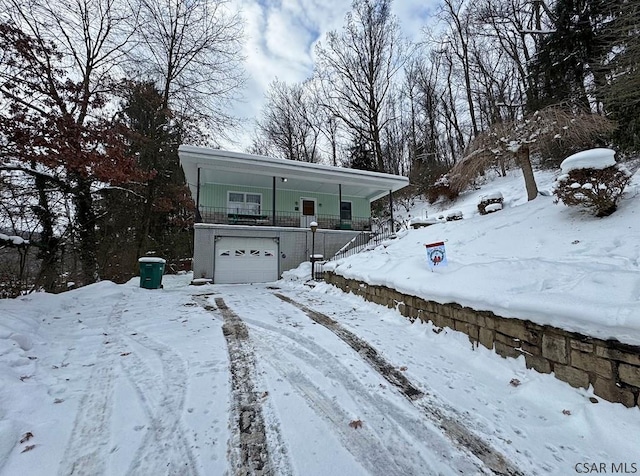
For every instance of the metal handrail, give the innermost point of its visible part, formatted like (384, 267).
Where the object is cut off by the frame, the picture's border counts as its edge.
(365, 240)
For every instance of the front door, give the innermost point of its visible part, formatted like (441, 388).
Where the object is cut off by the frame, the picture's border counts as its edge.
(308, 210)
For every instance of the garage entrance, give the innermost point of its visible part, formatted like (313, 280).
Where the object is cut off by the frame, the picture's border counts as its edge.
(245, 260)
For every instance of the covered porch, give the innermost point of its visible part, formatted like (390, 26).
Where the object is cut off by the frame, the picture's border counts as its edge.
(232, 188)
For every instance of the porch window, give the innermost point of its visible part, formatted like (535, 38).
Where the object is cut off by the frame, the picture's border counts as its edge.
(345, 210)
(241, 203)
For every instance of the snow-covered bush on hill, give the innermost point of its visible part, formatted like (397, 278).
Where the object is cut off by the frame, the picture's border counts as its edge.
(454, 215)
(490, 203)
(592, 179)
(442, 188)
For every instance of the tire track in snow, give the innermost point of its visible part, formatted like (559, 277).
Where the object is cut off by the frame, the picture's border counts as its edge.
(249, 453)
(364, 349)
(165, 448)
(89, 441)
(278, 454)
(458, 433)
(376, 456)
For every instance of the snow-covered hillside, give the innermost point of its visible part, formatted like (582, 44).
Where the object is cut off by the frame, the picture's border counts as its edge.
(535, 260)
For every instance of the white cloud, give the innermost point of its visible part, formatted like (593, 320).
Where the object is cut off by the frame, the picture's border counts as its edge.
(287, 38)
(280, 37)
(414, 16)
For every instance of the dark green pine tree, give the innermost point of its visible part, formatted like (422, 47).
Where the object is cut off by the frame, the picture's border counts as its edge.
(567, 67)
(621, 63)
(361, 156)
(155, 216)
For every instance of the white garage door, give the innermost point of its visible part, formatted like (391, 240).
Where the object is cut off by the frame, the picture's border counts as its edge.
(245, 260)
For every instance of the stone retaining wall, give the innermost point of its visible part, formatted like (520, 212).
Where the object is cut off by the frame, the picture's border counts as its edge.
(613, 368)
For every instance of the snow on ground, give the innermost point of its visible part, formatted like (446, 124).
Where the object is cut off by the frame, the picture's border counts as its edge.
(533, 260)
(115, 379)
(211, 380)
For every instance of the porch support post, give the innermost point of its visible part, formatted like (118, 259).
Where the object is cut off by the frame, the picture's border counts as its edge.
(391, 210)
(198, 216)
(273, 203)
(340, 204)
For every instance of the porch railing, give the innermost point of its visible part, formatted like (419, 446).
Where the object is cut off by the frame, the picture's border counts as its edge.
(226, 216)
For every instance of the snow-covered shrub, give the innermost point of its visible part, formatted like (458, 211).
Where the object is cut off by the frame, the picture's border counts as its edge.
(592, 179)
(455, 215)
(442, 188)
(419, 222)
(490, 203)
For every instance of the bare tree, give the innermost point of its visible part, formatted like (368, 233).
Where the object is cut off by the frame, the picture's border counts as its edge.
(288, 122)
(326, 122)
(394, 139)
(456, 136)
(519, 138)
(358, 67)
(428, 126)
(191, 53)
(619, 73)
(17, 233)
(192, 50)
(61, 58)
(621, 58)
(517, 26)
(460, 38)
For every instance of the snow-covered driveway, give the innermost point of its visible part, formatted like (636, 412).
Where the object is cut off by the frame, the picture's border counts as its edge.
(352, 405)
(275, 379)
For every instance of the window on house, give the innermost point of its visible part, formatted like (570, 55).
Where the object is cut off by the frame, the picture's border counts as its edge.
(345, 210)
(244, 203)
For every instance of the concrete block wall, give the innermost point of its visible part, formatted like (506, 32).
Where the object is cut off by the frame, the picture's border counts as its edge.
(611, 367)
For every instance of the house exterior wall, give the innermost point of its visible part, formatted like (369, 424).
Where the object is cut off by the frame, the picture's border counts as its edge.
(294, 244)
(215, 195)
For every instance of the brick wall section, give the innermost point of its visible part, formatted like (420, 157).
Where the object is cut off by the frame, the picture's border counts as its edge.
(611, 367)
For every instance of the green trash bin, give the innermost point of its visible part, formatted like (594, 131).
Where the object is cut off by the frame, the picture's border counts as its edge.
(151, 271)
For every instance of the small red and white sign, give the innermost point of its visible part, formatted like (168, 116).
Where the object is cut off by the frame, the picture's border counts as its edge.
(436, 254)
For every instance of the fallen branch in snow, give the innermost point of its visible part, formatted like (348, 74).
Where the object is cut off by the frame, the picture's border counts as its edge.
(355, 424)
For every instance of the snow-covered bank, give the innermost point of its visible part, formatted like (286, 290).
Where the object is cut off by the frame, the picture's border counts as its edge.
(533, 260)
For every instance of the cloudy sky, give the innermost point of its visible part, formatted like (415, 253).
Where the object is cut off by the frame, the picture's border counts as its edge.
(280, 36)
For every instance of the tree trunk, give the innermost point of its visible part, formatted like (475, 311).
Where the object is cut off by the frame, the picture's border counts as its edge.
(524, 161)
(49, 244)
(86, 223)
(144, 227)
